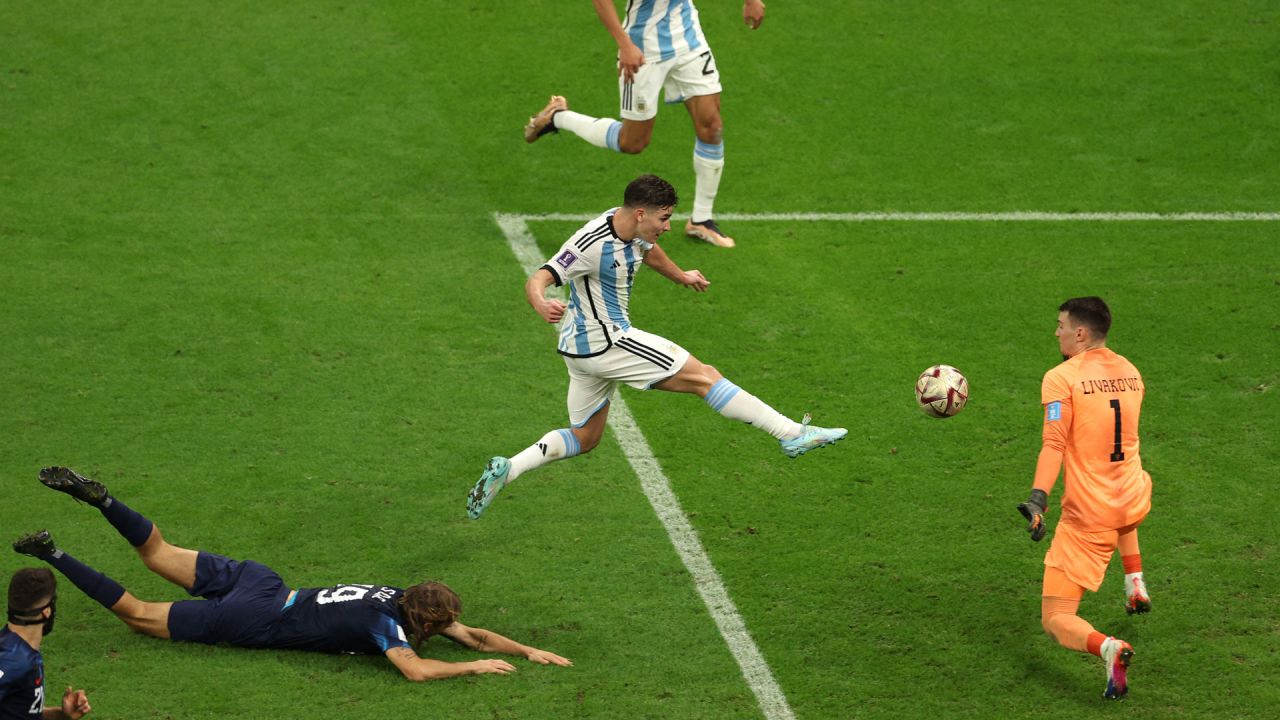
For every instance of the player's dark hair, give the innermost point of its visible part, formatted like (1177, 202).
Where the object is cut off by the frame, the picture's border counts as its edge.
(1090, 312)
(428, 608)
(649, 191)
(31, 588)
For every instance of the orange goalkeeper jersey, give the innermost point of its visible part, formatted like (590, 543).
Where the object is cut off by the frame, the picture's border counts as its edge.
(1092, 404)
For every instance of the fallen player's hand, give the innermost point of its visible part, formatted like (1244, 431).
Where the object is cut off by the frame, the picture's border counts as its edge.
(500, 667)
(547, 658)
(753, 13)
(1033, 510)
(75, 704)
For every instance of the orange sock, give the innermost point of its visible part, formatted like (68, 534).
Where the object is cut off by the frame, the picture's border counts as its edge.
(1132, 563)
(1094, 643)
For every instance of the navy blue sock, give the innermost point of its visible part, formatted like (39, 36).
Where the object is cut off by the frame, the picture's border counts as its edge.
(130, 524)
(104, 590)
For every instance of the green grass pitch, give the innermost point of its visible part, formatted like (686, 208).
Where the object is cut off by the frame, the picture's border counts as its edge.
(250, 277)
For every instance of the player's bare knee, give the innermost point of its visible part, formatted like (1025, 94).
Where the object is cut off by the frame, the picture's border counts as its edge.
(633, 146)
(712, 375)
(588, 443)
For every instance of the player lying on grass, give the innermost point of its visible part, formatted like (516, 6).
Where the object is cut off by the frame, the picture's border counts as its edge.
(601, 347)
(246, 604)
(1091, 406)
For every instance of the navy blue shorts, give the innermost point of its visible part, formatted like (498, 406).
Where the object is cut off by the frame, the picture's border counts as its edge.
(241, 606)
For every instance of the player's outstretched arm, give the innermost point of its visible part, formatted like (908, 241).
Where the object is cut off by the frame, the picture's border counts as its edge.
(75, 705)
(535, 289)
(753, 13)
(420, 669)
(489, 641)
(657, 259)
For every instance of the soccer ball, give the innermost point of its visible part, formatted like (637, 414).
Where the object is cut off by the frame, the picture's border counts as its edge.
(942, 391)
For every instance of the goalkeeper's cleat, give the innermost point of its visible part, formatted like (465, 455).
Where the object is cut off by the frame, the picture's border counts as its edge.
(708, 231)
(37, 545)
(543, 123)
(1118, 654)
(1136, 599)
(74, 484)
(487, 487)
(811, 438)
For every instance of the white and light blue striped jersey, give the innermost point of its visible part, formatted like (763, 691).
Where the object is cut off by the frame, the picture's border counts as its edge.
(599, 268)
(664, 29)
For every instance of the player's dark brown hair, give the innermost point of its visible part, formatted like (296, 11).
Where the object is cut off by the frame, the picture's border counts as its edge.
(1090, 312)
(31, 588)
(649, 191)
(428, 608)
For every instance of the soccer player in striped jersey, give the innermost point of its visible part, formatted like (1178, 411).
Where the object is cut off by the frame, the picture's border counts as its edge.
(1092, 403)
(246, 604)
(601, 347)
(661, 51)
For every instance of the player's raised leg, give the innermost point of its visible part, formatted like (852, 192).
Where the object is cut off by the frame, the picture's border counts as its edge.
(175, 564)
(708, 162)
(731, 401)
(1136, 597)
(144, 617)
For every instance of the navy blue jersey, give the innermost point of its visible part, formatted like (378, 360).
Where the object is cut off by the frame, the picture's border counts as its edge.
(343, 619)
(21, 677)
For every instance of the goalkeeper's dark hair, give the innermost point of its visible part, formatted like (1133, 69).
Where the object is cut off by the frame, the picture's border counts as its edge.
(650, 192)
(30, 588)
(1091, 312)
(428, 608)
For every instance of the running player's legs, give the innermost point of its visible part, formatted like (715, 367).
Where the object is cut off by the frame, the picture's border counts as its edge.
(1076, 561)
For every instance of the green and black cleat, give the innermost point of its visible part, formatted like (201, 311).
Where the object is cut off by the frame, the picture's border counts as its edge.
(74, 484)
(37, 545)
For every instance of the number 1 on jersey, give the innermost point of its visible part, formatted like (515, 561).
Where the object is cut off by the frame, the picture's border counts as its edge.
(1118, 453)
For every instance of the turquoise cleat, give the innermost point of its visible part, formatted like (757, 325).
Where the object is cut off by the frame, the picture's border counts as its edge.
(487, 487)
(811, 438)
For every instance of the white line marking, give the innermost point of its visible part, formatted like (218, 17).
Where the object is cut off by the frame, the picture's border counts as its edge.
(958, 217)
(657, 488)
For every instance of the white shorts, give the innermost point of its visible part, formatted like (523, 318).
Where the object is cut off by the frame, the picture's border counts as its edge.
(637, 358)
(678, 79)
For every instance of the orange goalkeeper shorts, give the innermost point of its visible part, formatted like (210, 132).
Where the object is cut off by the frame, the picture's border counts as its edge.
(1082, 555)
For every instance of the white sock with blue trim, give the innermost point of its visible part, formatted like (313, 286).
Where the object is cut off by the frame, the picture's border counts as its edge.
(601, 132)
(708, 161)
(555, 445)
(735, 403)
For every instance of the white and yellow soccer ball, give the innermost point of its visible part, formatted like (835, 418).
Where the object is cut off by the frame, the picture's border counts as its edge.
(942, 391)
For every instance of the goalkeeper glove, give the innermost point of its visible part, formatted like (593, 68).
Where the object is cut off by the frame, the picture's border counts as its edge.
(1033, 510)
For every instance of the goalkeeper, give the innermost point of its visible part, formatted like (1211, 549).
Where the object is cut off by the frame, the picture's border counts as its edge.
(1092, 402)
